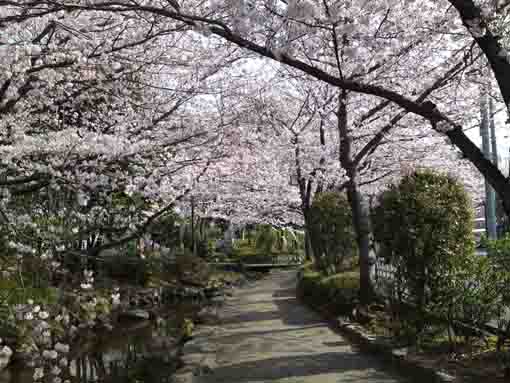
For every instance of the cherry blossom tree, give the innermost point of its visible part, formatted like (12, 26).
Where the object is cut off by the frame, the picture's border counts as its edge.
(291, 32)
(399, 62)
(293, 123)
(305, 115)
(104, 125)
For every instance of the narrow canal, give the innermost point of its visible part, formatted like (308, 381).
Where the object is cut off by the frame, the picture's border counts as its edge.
(136, 351)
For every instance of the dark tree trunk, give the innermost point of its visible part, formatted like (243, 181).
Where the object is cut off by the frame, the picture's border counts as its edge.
(308, 242)
(361, 223)
(471, 15)
(314, 250)
(360, 217)
(193, 240)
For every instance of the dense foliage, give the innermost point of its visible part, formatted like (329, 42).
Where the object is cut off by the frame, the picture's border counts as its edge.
(269, 244)
(337, 293)
(499, 280)
(423, 227)
(331, 231)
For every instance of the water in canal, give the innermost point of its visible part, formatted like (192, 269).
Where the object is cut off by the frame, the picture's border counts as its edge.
(135, 352)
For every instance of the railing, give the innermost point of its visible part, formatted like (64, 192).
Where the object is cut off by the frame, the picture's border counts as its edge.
(383, 281)
(245, 266)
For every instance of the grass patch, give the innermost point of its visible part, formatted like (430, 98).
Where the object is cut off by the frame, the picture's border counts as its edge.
(11, 293)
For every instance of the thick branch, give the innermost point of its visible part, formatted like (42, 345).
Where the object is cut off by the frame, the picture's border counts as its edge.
(472, 18)
(490, 171)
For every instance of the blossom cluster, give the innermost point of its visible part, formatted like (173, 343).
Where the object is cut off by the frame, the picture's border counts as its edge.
(45, 330)
(89, 279)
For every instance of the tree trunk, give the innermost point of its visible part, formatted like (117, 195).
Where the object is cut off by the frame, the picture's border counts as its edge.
(489, 43)
(360, 217)
(309, 240)
(308, 244)
(361, 223)
(193, 247)
(314, 243)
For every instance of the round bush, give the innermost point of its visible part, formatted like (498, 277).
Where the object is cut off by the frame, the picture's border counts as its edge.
(424, 228)
(331, 231)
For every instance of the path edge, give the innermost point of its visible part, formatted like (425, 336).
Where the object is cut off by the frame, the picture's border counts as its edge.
(389, 353)
(381, 348)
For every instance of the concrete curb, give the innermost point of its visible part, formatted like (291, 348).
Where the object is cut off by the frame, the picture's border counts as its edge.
(386, 351)
(396, 356)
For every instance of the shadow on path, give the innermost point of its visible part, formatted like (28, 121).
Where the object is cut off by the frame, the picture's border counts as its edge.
(268, 336)
(353, 366)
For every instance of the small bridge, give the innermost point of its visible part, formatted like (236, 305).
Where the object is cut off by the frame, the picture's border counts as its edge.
(237, 266)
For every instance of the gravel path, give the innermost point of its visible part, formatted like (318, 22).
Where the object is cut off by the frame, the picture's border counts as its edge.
(266, 335)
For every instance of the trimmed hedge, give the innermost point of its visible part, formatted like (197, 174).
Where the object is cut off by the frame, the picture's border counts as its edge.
(337, 294)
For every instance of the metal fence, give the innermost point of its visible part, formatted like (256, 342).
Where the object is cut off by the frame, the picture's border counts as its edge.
(383, 277)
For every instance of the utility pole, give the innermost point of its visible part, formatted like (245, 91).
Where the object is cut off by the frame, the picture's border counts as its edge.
(490, 196)
(495, 159)
(193, 247)
(492, 127)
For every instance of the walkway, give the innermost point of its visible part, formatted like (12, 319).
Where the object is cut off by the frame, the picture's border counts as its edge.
(268, 336)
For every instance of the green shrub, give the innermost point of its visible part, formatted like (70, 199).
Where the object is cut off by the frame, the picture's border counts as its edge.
(203, 249)
(337, 293)
(165, 230)
(240, 252)
(331, 231)
(423, 227)
(267, 238)
(498, 252)
(192, 270)
(243, 243)
(13, 293)
(125, 268)
(478, 291)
